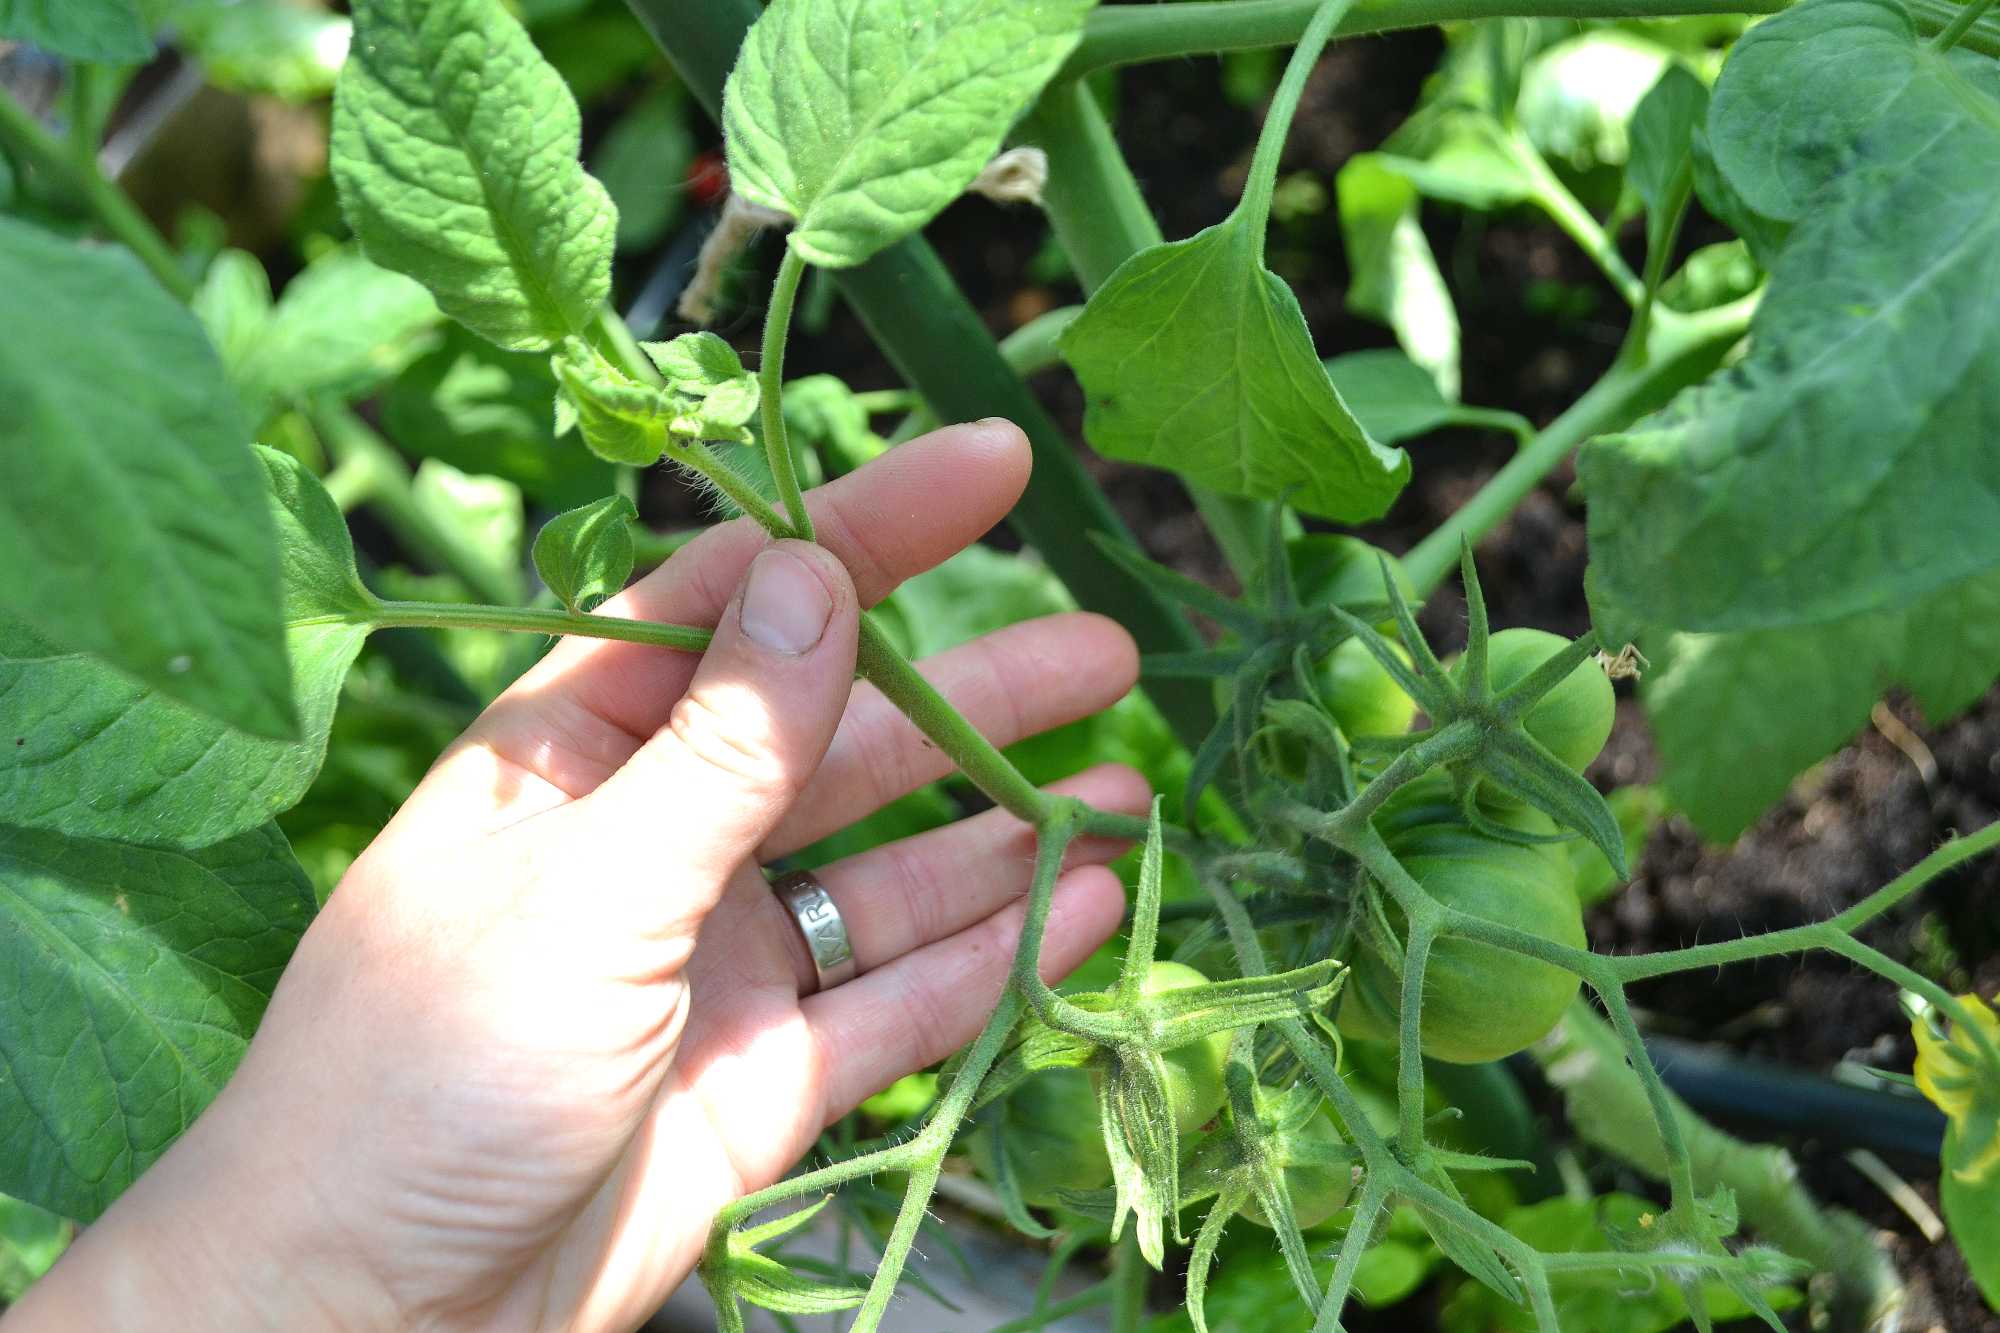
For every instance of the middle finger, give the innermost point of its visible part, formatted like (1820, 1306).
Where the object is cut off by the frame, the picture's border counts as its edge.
(898, 897)
(1016, 682)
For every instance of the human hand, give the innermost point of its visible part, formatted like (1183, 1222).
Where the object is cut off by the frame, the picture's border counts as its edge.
(554, 1018)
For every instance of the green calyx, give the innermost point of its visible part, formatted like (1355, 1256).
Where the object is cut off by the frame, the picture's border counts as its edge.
(1503, 704)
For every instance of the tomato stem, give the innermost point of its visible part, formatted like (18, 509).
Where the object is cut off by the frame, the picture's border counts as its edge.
(538, 620)
(771, 382)
(79, 173)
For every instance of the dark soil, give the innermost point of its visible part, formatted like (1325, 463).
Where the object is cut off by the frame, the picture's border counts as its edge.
(1860, 818)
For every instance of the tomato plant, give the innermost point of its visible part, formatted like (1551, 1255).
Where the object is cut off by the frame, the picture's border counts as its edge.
(1783, 467)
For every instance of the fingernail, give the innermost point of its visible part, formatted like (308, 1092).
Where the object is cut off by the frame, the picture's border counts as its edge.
(785, 606)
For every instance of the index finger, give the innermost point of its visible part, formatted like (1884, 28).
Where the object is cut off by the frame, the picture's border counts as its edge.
(588, 706)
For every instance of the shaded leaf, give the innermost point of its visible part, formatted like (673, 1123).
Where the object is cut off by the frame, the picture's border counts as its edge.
(1393, 397)
(88, 752)
(862, 119)
(1578, 96)
(1823, 476)
(1395, 276)
(1661, 170)
(1728, 752)
(641, 161)
(342, 327)
(131, 510)
(481, 409)
(109, 31)
(110, 1072)
(1471, 160)
(31, 1240)
(277, 48)
(455, 151)
(1972, 1210)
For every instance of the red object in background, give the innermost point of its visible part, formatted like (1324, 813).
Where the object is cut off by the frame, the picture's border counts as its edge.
(708, 178)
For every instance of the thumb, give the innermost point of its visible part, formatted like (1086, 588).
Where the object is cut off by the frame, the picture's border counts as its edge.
(755, 723)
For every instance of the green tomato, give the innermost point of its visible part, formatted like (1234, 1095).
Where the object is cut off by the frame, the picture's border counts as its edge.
(1345, 571)
(1481, 1002)
(1053, 1137)
(1318, 1190)
(1573, 720)
(1194, 1071)
(1360, 693)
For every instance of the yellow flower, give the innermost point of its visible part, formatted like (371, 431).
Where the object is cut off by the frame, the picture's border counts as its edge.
(1965, 1083)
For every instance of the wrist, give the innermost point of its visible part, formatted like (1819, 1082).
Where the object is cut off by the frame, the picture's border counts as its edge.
(216, 1234)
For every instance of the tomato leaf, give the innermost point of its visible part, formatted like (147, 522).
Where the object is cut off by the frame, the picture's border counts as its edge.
(131, 510)
(455, 153)
(110, 31)
(1824, 476)
(1395, 275)
(1661, 167)
(94, 754)
(862, 120)
(272, 47)
(651, 144)
(1392, 396)
(1578, 97)
(343, 327)
(146, 972)
(1728, 752)
(481, 409)
(31, 1240)
(1972, 1209)
(1466, 158)
(1195, 357)
(586, 555)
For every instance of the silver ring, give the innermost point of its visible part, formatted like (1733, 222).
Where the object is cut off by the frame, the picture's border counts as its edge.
(819, 922)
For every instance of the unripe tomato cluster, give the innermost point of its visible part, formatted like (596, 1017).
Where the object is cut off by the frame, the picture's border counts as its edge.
(1482, 1002)
(1054, 1139)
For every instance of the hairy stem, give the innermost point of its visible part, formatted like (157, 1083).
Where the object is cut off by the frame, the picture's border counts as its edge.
(537, 620)
(1102, 220)
(771, 380)
(1423, 932)
(78, 173)
(698, 458)
(992, 772)
(1255, 205)
(1128, 1286)
(609, 334)
(1568, 213)
(1683, 349)
(1087, 1299)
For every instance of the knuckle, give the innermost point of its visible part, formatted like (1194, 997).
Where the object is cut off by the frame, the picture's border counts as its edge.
(739, 742)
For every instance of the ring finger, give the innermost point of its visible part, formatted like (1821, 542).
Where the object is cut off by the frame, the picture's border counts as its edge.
(899, 897)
